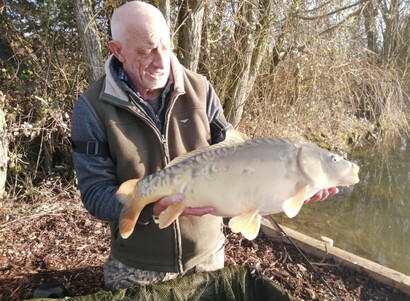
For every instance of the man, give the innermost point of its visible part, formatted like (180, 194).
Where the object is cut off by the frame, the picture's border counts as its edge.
(144, 112)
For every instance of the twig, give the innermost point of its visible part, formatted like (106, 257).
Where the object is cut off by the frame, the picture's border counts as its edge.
(325, 264)
(3, 226)
(306, 259)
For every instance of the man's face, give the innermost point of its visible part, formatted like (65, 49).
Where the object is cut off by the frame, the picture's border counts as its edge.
(146, 59)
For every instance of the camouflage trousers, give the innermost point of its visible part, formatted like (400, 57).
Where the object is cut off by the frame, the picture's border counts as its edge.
(118, 276)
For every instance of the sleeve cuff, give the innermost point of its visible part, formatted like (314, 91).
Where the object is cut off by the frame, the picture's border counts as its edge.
(146, 215)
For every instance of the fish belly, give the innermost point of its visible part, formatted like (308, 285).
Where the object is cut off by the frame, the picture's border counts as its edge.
(241, 188)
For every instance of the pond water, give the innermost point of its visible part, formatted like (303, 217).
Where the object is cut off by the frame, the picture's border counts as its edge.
(370, 219)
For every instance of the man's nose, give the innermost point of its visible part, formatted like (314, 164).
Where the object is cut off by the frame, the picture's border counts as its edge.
(161, 58)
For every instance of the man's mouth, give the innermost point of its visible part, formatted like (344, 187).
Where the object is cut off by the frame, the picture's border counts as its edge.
(156, 74)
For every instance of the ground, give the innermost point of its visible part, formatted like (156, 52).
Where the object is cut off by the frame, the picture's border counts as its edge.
(63, 244)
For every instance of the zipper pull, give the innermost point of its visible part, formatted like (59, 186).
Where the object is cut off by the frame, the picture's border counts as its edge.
(166, 150)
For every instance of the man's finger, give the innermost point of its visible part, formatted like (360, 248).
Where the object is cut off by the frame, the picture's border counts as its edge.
(163, 203)
(317, 196)
(325, 194)
(198, 211)
(333, 190)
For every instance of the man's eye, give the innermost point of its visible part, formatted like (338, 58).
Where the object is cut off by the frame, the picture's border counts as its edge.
(144, 51)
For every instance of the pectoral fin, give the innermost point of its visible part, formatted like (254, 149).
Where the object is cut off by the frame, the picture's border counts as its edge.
(292, 205)
(248, 224)
(170, 214)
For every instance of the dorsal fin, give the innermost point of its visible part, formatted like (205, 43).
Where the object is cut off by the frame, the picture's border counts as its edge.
(232, 137)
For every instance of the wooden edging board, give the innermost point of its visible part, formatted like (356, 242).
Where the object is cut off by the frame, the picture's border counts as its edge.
(316, 247)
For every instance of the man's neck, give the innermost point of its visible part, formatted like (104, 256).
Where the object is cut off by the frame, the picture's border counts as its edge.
(150, 94)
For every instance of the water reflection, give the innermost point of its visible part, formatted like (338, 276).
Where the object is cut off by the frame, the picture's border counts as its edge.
(372, 218)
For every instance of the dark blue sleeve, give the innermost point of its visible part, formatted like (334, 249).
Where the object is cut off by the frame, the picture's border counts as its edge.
(97, 179)
(216, 116)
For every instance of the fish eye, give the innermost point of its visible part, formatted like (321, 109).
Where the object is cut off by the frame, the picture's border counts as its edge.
(334, 158)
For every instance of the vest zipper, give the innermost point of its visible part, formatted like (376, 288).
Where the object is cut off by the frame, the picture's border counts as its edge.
(139, 112)
(166, 149)
(164, 142)
(176, 227)
(161, 137)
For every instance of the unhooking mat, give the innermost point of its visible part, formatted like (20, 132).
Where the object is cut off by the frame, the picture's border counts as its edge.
(235, 283)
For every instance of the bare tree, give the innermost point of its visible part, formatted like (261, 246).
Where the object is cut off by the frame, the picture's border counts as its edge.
(189, 37)
(397, 32)
(88, 32)
(369, 15)
(252, 35)
(3, 147)
(165, 7)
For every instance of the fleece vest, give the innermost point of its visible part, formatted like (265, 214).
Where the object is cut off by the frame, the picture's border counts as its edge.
(138, 149)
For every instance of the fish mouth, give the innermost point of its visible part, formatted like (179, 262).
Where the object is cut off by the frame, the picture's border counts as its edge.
(352, 177)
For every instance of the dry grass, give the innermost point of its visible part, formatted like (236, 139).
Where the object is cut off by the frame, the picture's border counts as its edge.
(330, 100)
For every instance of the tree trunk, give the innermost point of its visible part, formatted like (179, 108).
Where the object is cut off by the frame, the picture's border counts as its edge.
(391, 34)
(369, 14)
(403, 59)
(252, 34)
(165, 7)
(88, 32)
(3, 148)
(189, 41)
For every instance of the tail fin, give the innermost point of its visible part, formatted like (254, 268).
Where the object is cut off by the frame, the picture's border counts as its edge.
(132, 207)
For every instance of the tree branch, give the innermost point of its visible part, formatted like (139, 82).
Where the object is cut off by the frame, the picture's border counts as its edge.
(331, 13)
(355, 13)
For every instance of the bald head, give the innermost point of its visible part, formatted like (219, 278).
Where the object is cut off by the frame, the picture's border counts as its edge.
(136, 16)
(141, 42)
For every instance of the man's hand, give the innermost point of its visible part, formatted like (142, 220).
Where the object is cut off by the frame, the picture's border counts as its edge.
(322, 194)
(163, 204)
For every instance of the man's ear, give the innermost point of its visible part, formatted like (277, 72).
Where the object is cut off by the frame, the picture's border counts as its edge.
(115, 48)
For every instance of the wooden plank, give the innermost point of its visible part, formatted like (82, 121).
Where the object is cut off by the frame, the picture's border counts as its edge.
(316, 247)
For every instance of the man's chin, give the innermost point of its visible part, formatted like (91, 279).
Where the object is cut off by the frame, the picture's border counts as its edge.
(155, 85)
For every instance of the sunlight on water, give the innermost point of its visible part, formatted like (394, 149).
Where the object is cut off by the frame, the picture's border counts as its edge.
(370, 219)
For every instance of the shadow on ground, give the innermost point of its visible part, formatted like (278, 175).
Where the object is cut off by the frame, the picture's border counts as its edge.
(81, 281)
